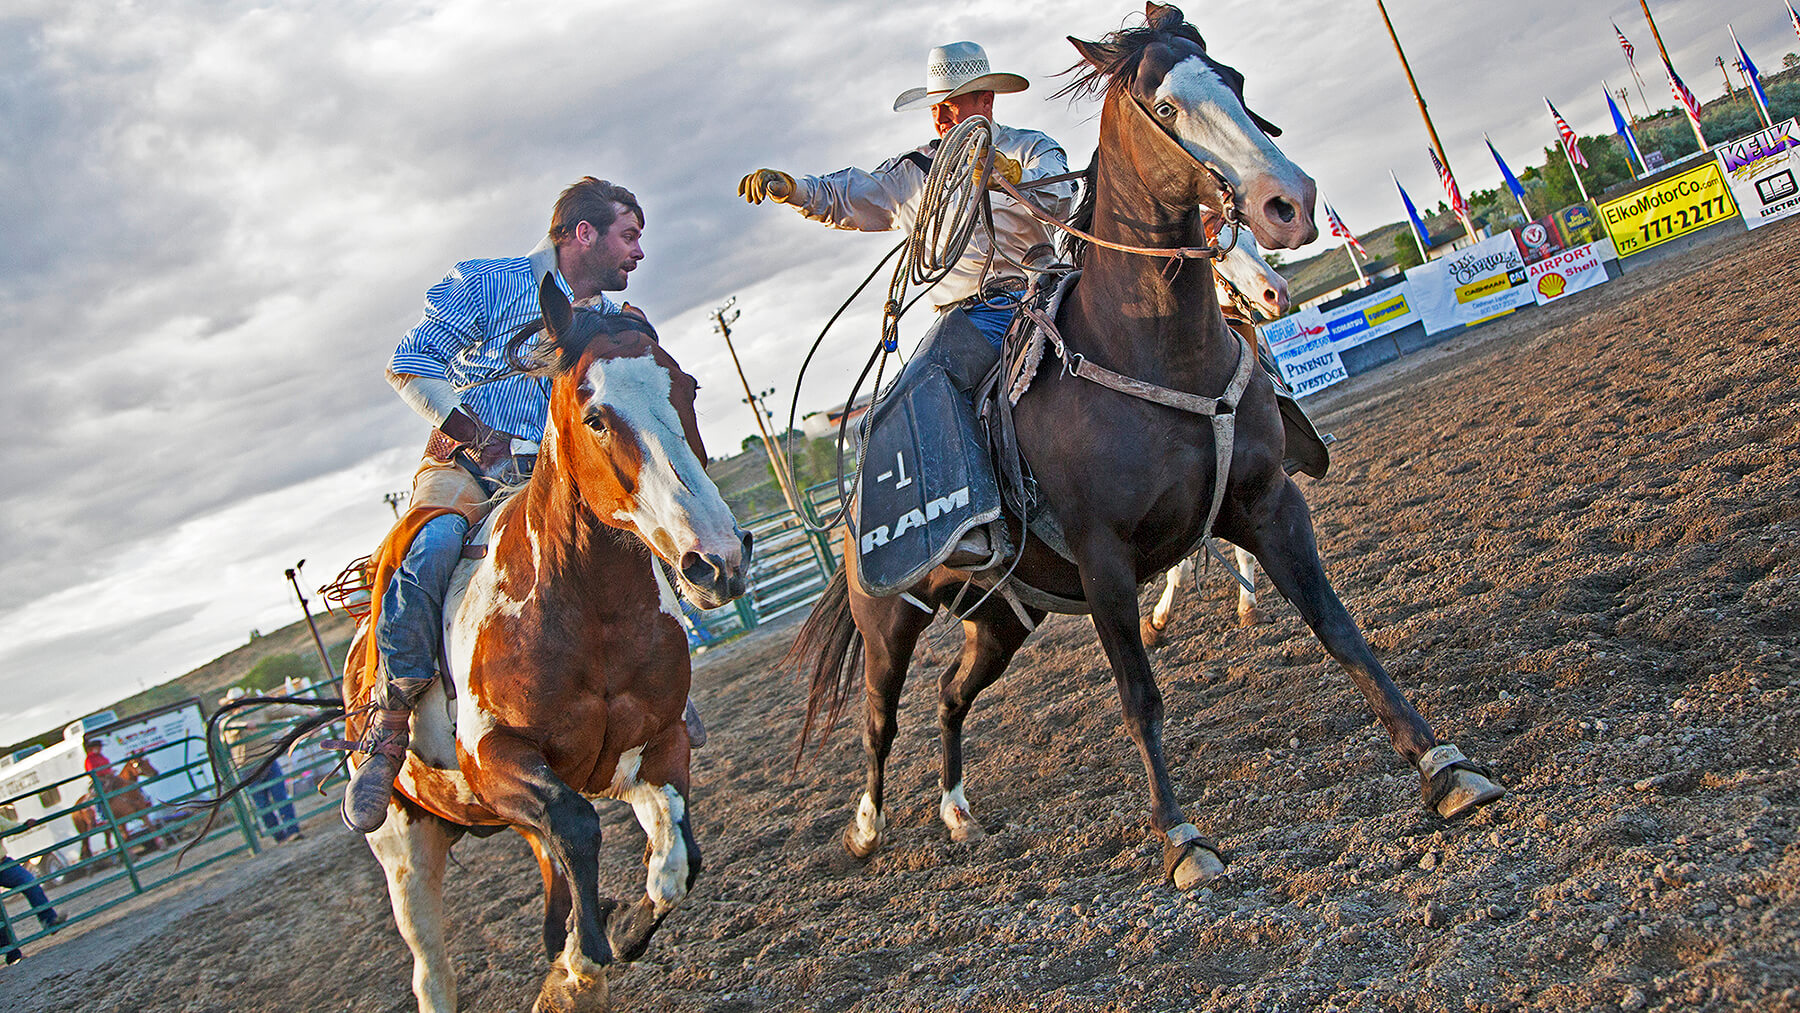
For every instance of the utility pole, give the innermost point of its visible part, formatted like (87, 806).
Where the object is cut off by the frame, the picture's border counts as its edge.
(1670, 66)
(1730, 89)
(393, 500)
(723, 318)
(1625, 94)
(1436, 144)
(293, 576)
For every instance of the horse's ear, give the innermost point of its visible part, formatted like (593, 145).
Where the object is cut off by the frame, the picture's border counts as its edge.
(1098, 55)
(559, 321)
(1162, 17)
(1268, 128)
(554, 305)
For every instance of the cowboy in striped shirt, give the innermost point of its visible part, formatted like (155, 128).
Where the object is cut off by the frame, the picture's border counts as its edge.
(486, 421)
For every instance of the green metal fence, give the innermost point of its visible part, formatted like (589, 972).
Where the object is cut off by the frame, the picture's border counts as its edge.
(128, 851)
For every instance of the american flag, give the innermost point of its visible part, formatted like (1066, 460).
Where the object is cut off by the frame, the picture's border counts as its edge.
(1625, 43)
(1794, 16)
(1457, 204)
(1568, 137)
(1342, 231)
(1683, 97)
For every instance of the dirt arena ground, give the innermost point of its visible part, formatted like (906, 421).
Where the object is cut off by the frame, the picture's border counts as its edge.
(1571, 536)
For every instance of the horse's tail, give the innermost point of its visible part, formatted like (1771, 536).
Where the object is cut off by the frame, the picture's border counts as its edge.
(329, 711)
(828, 653)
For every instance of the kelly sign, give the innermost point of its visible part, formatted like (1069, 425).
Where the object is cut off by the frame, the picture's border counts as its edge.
(1568, 271)
(1763, 173)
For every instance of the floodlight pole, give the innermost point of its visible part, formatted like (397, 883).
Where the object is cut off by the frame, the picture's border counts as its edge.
(723, 318)
(1430, 129)
(293, 576)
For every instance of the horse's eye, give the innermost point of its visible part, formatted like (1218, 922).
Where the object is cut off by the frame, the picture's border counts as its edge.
(1166, 110)
(597, 422)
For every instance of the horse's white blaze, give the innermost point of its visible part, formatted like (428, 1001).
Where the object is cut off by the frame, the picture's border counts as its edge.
(660, 809)
(869, 821)
(676, 508)
(1212, 125)
(953, 808)
(1249, 274)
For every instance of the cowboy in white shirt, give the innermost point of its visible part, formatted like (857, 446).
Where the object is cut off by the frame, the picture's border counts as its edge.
(959, 85)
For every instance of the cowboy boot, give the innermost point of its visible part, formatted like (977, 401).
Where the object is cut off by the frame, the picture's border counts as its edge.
(371, 787)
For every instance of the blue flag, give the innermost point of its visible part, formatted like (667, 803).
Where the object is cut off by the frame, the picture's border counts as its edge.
(1412, 213)
(1512, 182)
(1762, 97)
(1624, 130)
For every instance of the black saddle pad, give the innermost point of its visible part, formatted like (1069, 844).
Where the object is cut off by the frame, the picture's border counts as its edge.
(926, 477)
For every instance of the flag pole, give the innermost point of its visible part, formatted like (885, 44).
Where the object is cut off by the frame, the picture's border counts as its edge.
(1429, 127)
(1755, 92)
(1361, 279)
(1660, 48)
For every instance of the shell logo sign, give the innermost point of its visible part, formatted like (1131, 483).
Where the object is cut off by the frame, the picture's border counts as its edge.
(1551, 285)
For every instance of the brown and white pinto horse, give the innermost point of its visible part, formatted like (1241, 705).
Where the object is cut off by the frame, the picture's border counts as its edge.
(1128, 481)
(569, 663)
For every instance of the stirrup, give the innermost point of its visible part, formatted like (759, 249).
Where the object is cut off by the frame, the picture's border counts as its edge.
(371, 788)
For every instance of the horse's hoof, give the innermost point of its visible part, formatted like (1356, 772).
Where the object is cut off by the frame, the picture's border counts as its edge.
(566, 992)
(1249, 617)
(968, 833)
(1190, 859)
(1199, 865)
(1151, 633)
(858, 845)
(1467, 790)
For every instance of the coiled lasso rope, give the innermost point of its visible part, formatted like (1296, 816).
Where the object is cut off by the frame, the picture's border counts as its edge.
(952, 204)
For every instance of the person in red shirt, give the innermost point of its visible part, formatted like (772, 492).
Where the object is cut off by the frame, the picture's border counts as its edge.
(96, 760)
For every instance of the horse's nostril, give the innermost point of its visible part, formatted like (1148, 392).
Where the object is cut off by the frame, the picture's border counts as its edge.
(1269, 294)
(1281, 209)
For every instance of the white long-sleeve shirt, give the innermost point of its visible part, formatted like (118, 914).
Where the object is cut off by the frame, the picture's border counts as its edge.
(888, 199)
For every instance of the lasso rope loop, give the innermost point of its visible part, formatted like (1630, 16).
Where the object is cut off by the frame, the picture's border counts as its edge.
(951, 206)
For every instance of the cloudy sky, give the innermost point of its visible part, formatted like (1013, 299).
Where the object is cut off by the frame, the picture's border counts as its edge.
(219, 217)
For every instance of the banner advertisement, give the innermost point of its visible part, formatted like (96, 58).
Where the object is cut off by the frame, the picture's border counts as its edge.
(1305, 352)
(1370, 317)
(1763, 173)
(1668, 209)
(1577, 224)
(1471, 285)
(1568, 271)
(1539, 239)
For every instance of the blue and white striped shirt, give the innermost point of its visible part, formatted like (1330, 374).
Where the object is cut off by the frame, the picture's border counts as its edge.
(469, 316)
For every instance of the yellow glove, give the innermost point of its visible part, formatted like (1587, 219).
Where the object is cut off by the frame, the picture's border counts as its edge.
(767, 184)
(1006, 168)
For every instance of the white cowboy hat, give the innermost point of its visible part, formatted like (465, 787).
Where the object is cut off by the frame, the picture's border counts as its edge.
(956, 69)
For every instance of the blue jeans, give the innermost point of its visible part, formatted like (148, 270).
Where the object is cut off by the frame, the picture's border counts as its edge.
(411, 627)
(279, 821)
(993, 317)
(14, 875)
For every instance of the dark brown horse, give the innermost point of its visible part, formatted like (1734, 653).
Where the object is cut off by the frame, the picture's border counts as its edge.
(1128, 484)
(124, 799)
(569, 662)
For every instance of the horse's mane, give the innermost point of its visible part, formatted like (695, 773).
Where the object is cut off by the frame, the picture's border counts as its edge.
(539, 358)
(1074, 247)
(1119, 52)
